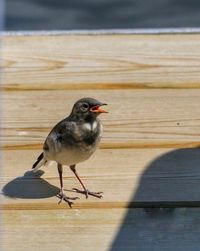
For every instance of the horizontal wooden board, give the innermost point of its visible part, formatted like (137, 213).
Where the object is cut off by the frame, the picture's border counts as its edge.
(128, 178)
(139, 118)
(96, 62)
(105, 229)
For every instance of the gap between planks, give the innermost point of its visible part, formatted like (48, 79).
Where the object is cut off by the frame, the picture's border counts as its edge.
(117, 145)
(97, 86)
(99, 205)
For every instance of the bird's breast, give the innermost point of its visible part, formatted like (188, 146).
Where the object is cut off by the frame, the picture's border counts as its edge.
(81, 144)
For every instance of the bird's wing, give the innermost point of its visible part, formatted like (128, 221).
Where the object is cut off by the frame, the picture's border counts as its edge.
(64, 132)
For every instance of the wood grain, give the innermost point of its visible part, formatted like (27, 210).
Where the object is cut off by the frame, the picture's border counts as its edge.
(101, 62)
(136, 119)
(106, 229)
(149, 155)
(128, 178)
(59, 229)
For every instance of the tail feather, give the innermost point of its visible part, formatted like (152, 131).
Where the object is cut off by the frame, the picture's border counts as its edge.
(40, 162)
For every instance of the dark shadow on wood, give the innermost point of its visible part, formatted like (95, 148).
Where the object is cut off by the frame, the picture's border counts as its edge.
(171, 180)
(30, 186)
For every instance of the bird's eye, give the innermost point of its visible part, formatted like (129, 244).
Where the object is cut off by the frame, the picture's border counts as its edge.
(85, 107)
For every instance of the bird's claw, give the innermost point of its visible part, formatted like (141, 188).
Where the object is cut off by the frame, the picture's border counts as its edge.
(67, 199)
(87, 193)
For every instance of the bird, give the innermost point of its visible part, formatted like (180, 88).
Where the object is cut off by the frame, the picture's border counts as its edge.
(73, 140)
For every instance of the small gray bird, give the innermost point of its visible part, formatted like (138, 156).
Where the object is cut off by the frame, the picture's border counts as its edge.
(73, 140)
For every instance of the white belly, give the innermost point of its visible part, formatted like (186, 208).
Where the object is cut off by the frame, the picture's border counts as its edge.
(70, 156)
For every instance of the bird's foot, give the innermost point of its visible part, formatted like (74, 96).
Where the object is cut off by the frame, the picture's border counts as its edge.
(67, 199)
(87, 193)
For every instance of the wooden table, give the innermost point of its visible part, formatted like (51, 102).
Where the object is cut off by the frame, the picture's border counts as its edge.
(149, 156)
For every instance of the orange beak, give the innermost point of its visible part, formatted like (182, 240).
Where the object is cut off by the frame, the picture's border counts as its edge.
(98, 109)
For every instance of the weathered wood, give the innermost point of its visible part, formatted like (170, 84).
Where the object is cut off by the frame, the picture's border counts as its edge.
(139, 118)
(105, 229)
(96, 62)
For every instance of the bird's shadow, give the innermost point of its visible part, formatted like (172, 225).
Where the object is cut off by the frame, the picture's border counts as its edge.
(30, 186)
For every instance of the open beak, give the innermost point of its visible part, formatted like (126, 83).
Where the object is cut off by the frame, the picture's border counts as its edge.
(98, 109)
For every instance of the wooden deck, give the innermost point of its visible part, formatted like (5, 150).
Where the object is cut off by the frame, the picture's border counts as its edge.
(148, 158)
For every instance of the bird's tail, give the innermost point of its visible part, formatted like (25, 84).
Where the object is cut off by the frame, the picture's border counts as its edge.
(40, 162)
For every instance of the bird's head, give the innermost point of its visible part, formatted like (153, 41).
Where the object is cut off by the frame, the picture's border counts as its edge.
(88, 108)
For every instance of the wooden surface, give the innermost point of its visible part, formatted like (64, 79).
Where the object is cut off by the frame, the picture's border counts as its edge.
(81, 229)
(106, 61)
(149, 155)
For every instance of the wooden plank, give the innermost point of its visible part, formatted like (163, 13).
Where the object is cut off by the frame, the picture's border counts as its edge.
(59, 229)
(139, 118)
(105, 229)
(96, 62)
(128, 178)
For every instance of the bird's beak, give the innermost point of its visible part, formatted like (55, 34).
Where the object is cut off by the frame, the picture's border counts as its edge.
(98, 109)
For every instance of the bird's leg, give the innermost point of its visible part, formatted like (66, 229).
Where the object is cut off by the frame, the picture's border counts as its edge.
(86, 191)
(61, 194)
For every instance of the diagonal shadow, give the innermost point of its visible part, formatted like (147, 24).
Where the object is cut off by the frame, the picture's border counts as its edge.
(171, 178)
(30, 186)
